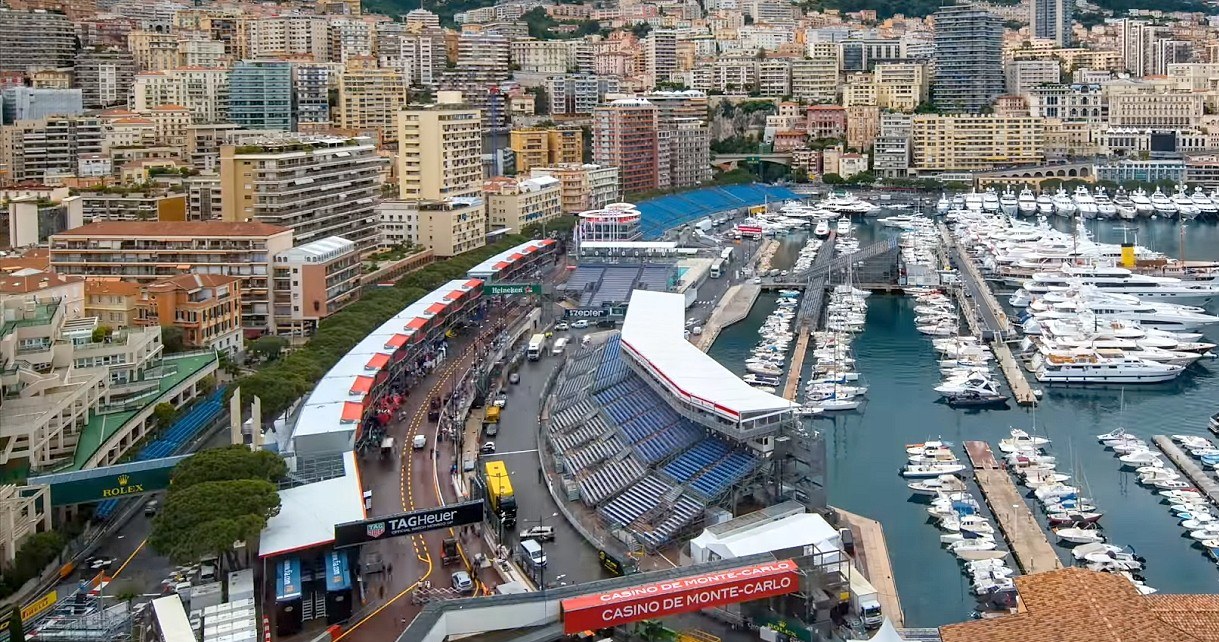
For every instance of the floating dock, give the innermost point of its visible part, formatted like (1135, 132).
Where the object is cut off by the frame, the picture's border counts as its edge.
(986, 319)
(1203, 482)
(1024, 535)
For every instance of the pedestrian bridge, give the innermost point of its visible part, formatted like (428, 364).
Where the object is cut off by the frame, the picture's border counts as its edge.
(779, 158)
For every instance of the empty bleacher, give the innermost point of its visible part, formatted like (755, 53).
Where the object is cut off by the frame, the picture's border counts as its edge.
(660, 214)
(611, 477)
(711, 467)
(654, 278)
(669, 520)
(635, 500)
(615, 286)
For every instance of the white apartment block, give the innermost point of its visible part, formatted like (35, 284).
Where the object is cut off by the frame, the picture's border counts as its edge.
(774, 78)
(1069, 103)
(661, 50)
(584, 186)
(204, 92)
(512, 204)
(351, 37)
(1025, 75)
(901, 86)
(300, 37)
(765, 37)
(542, 56)
(578, 94)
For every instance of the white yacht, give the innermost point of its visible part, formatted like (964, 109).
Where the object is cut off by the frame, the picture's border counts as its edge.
(1121, 281)
(1008, 203)
(943, 205)
(1045, 204)
(1104, 207)
(1205, 204)
(822, 230)
(973, 201)
(1142, 203)
(1150, 314)
(842, 227)
(1026, 204)
(1100, 366)
(1063, 205)
(1164, 206)
(1126, 208)
(1084, 203)
(990, 200)
(1185, 204)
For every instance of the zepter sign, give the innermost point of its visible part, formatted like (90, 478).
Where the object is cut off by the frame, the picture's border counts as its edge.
(670, 597)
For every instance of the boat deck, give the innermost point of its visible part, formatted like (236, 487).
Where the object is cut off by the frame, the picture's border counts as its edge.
(1203, 482)
(1024, 535)
(872, 552)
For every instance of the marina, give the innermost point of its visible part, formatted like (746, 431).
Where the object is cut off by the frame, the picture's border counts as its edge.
(1024, 535)
(900, 410)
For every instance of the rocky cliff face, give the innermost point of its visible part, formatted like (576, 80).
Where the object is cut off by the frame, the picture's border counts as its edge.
(743, 119)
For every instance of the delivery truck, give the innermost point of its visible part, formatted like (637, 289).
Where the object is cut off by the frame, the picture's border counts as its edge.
(864, 602)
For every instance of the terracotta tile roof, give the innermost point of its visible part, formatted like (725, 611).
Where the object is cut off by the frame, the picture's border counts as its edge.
(1077, 605)
(192, 282)
(33, 281)
(111, 286)
(38, 259)
(174, 228)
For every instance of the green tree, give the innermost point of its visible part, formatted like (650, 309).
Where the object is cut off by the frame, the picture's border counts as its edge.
(229, 462)
(164, 413)
(641, 29)
(101, 333)
(269, 347)
(832, 179)
(208, 517)
(16, 631)
(173, 339)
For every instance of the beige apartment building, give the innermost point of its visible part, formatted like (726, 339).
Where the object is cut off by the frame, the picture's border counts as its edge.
(202, 91)
(513, 204)
(153, 50)
(539, 147)
(317, 186)
(901, 86)
(440, 170)
(298, 37)
(1153, 105)
(370, 99)
(943, 143)
(312, 282)
(147, 251)
(583, 186)
(815, 80)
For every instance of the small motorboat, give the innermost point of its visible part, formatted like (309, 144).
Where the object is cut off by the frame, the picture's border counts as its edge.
(1113, 434)
(1172, 484)
(1021, 440)
(931, 470)
(1140, 458)
(975, 399)
(971, 554)
(1076, 535)
(941, 484)
(1073, 518)
(1082, 551)
(948, 539)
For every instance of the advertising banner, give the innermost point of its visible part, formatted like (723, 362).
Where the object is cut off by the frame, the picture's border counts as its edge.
(368, 530)
(670, 597)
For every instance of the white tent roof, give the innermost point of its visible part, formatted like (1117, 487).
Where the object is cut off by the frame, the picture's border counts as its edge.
(804, 529)
(308, 513)
(887, 633)
(653, 331)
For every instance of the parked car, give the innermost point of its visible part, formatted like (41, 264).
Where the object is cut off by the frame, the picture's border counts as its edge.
(492, 430)
(462, 582)
(562, 325)
(514, 377)
(500, 401)
(542, 533)
(487, 448)
(579, 325)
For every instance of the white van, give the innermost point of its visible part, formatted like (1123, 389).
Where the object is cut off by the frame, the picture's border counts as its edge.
(560, 345)
(419, 442)
(532, 553)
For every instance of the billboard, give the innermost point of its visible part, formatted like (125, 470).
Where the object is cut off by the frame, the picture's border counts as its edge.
(586, 313)
(512, 288)
(418, 521)
(670, 597)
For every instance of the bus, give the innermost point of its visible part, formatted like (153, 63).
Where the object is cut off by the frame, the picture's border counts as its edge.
(536, 343)
(717, 269)
(499, 493)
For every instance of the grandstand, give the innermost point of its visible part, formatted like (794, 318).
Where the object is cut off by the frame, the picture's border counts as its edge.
(596, 285)
(637, 462)
(666, 212)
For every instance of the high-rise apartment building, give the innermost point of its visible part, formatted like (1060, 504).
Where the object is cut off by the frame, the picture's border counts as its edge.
(260, 95)
(317, 186)
(35, 39)
(578, 94)
(439, 150)
(488, 51)
(104, 75)
(512, 204)
(203, 92)
(417, 52)
(1052, 20)
(313, 281)
(27, 103)
(662, 54)
(538, 147)
(689, 152)
(311, 84)
(153, 50)
(440, 172)
(1025, 75)
(297, 37)
(47, 148)
(531, 55)
(901, 86)
(815, 80)
(626, 135)
(370, 99)
(968, 57)
(351, 38)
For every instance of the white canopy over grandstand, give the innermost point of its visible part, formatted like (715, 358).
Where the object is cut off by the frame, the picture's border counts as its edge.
(494, 267)
(653, 336)
(308, 513)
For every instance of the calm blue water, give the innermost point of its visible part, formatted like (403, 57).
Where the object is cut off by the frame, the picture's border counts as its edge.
(866, 447)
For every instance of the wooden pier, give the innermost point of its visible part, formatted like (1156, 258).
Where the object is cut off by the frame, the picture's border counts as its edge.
(1203, 482)
(986, 319)
(1024, 535)
(792, 385)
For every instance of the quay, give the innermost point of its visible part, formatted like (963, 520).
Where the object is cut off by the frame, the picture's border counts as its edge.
(1192, 470)
(1024, 535)
(733, 307)
(792, 385)
(872, 554)
(985, 317)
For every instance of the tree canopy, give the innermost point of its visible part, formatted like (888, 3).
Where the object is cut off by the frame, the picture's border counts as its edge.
(208, 517)
(230, 462)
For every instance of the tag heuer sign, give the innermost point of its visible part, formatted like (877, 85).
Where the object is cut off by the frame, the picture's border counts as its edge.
(356, 533)
(512, 288)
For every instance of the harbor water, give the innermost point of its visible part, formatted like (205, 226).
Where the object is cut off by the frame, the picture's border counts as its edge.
(866, 447)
